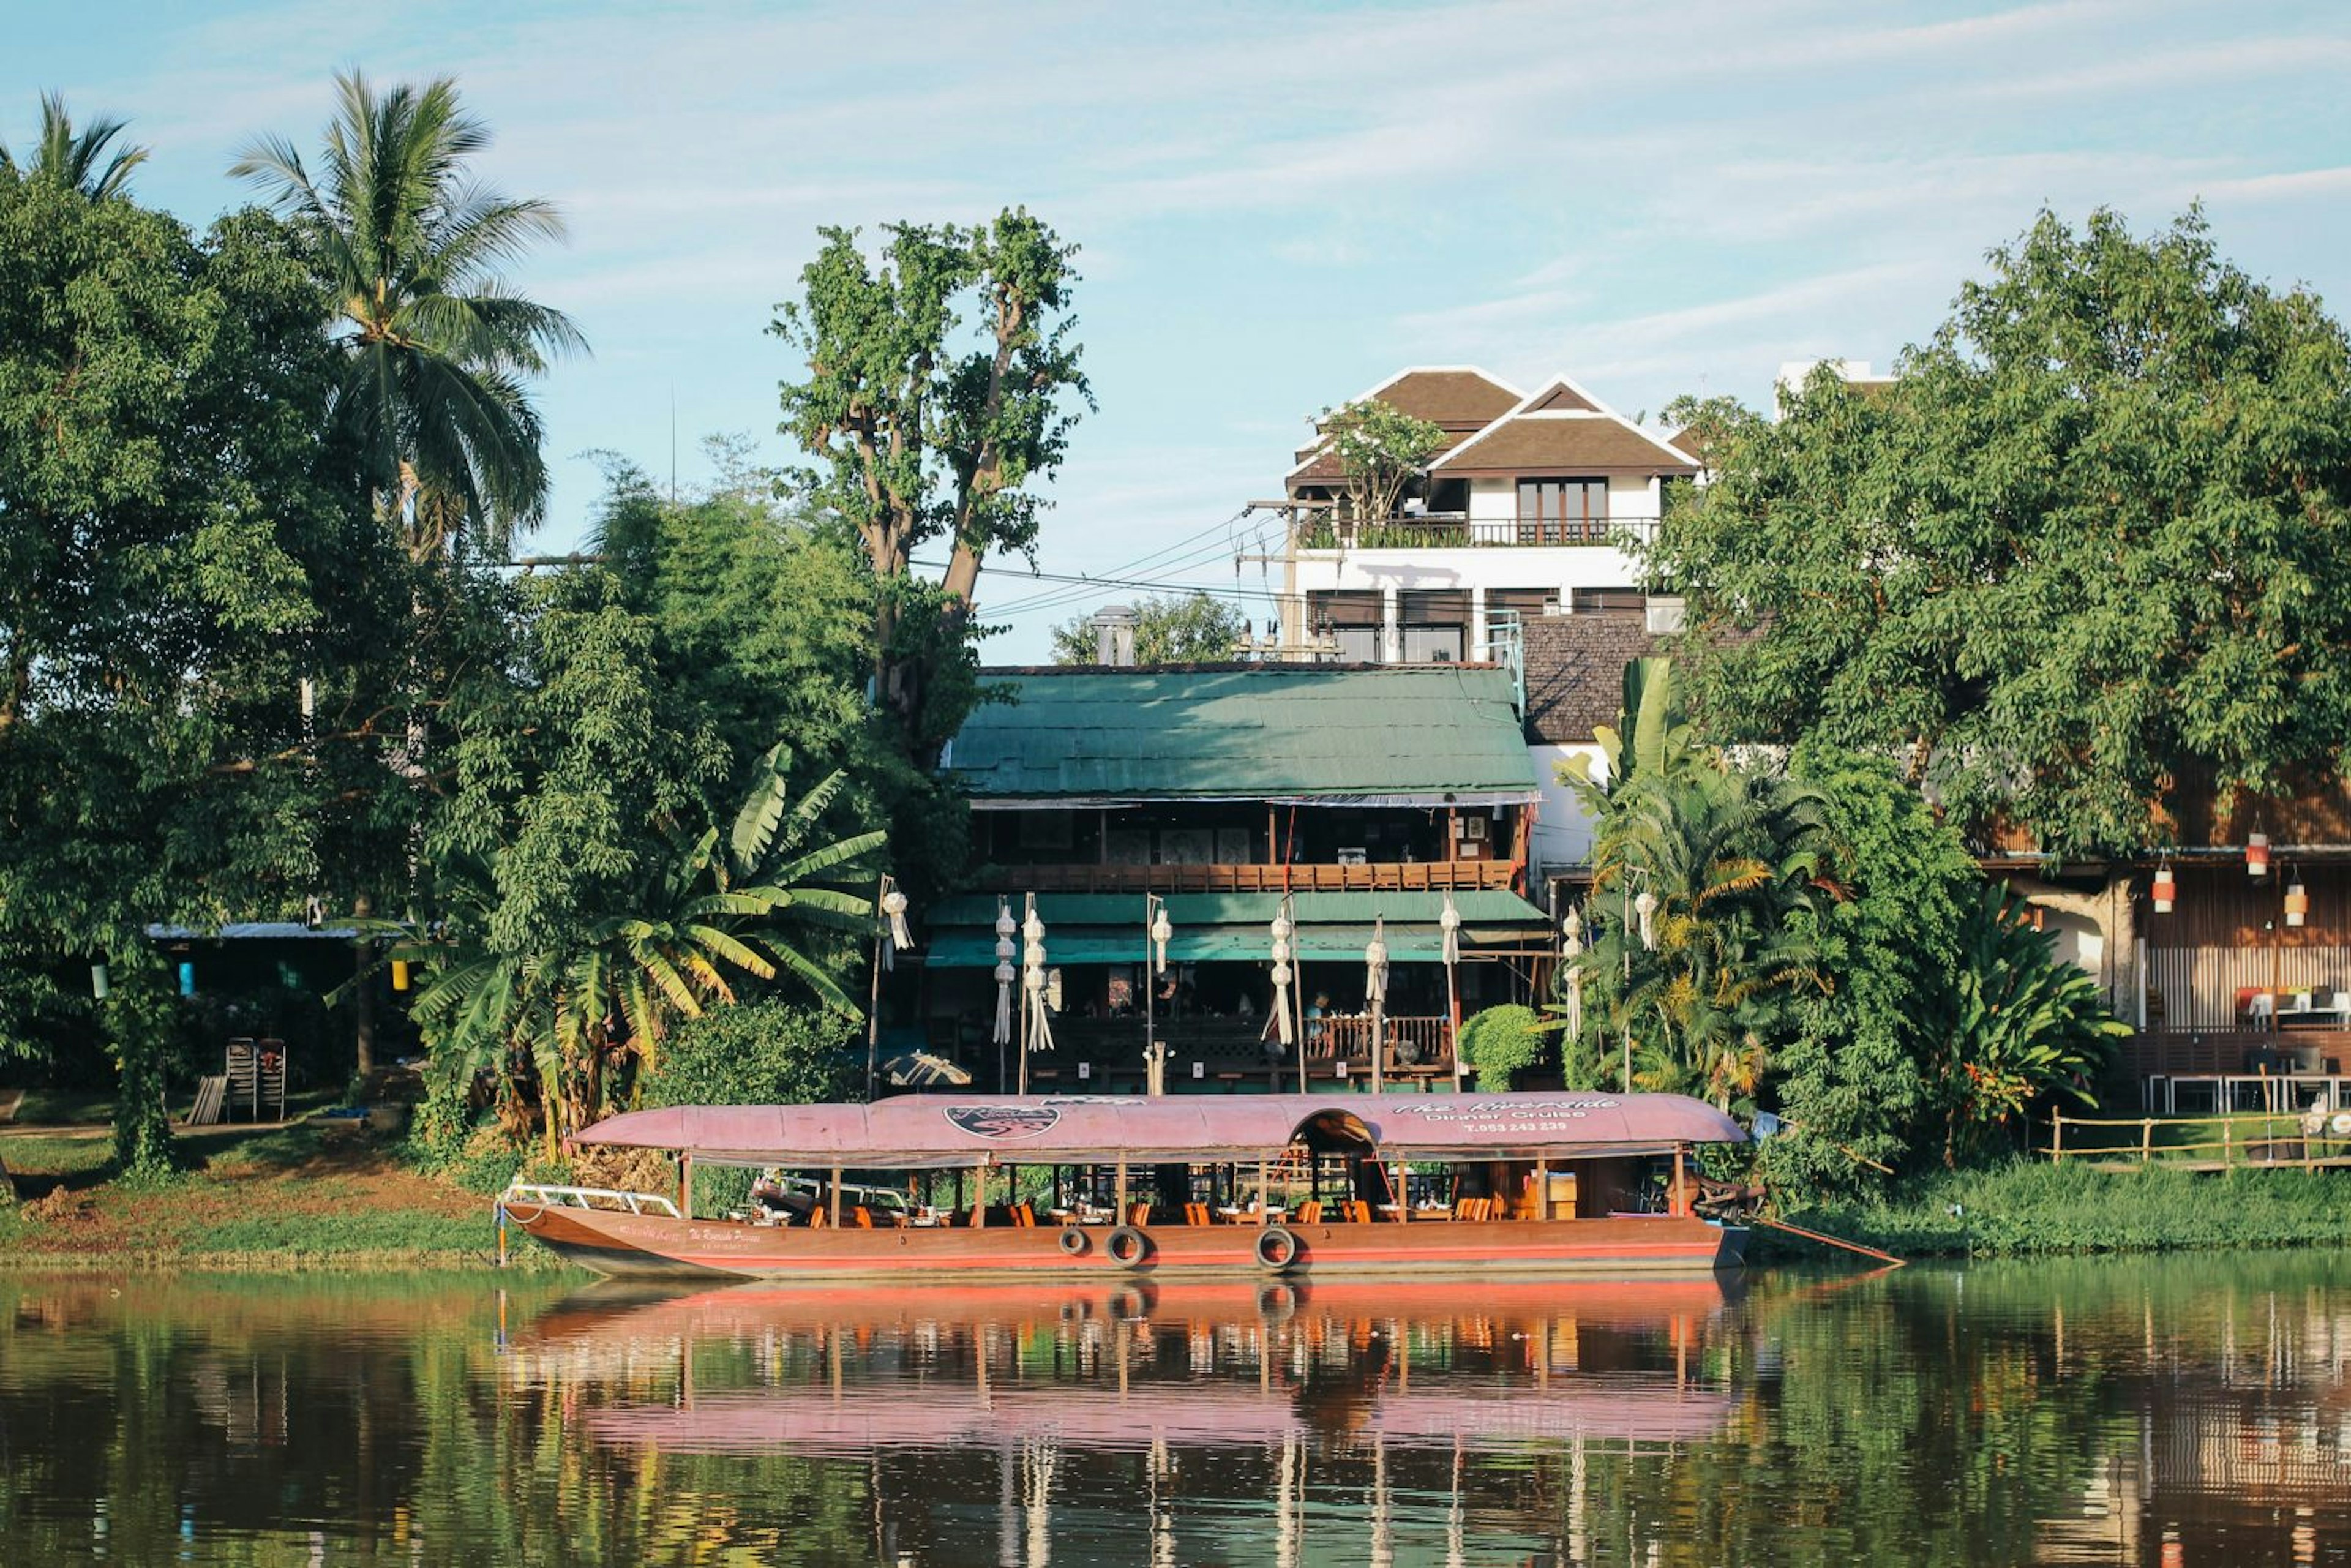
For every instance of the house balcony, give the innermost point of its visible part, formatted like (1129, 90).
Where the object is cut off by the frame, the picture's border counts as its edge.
(1410, 876)
(1462, 530)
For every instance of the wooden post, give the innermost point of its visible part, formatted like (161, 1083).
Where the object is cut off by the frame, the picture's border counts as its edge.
(686, 1186)
(1264, 1196)
(979, 1197)
(2057, 1137)
(1119, 1199)
(836, 1197)
(1680, 1205)
(1542, 1188)
(2147, 1141)
(2226, 1143)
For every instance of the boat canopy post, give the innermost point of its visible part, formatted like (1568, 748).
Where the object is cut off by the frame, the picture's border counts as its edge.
(980, 1194)
(686, 1184)
(836, 1197)
(1120, 1201)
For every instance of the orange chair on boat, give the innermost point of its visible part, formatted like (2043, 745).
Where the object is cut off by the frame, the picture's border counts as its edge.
(1310, 1212)
(1024, 1216)
(1138, 1214)
(817, 1220)
(1197, 1213)
(862, 1218)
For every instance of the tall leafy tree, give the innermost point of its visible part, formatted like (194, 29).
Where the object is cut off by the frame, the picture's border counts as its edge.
(1381, 451)
(2083, 555)
(939, 390)
(175, 562)
(1173, 629)
(437, 347)
(77, 159)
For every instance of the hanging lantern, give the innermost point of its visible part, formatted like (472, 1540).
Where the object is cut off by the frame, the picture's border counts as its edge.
(1161, 930)
(1035, 981)
(1281, 978)
(2297, 904)
(399, 973)
(1449, 922)
(2166, 889)
(1572, 927)
(98, 984)
(1575, 1000)
(2257, 854)
(1004, 951)
(1375, 963)
(893, 905)
(187, 977)
(1645, 908)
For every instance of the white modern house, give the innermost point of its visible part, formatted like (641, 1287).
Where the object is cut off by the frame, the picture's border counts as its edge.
(1525, 511)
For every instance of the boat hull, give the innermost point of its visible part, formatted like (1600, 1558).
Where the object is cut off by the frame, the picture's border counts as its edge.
(638, 1245)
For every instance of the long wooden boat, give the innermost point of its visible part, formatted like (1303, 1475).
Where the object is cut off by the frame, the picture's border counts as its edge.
(1532, 1184)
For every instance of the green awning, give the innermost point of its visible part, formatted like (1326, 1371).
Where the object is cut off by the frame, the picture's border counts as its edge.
(1234, 927)
(1484, 907)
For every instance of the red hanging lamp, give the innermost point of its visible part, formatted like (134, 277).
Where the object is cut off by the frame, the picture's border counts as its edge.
(2166, 889)
(2257, 854)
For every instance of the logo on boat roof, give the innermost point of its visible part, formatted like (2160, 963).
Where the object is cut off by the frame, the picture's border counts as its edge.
(1003, 1120)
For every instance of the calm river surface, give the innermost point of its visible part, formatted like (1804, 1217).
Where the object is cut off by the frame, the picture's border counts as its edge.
(2184, 1411)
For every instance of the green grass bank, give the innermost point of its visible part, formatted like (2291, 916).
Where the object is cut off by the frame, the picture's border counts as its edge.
(2033, 1207)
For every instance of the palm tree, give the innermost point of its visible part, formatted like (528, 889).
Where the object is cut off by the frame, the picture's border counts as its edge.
(1727, 860)
(567, 1018)
(71, 158)
(438, 347)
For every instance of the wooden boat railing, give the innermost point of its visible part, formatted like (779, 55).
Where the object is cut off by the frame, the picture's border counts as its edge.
(589, 1197)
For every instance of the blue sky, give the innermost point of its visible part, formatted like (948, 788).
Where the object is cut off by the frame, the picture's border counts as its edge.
(1278, 204)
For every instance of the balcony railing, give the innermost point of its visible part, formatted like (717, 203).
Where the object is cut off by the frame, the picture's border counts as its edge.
(1412, 876)
(1458, 530)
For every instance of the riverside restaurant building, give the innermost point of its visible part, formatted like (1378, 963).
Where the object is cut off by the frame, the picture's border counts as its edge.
(1160, 830)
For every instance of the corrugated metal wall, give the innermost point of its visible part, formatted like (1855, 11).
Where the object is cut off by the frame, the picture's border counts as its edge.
(2199, 985)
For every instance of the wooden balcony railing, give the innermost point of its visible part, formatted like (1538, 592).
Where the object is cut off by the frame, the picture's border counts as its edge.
(1414, 876)
(1414, 1044)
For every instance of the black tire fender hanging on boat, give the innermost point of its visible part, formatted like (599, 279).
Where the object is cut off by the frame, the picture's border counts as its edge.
(1127, 1246)
(1071, 1241)
(1277, 1247)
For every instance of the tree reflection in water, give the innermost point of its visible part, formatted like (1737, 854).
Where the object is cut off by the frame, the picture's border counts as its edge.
(2191, 1409)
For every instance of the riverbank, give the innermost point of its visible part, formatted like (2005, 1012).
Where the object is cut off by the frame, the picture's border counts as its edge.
(311, 1194)
(2033, 1208)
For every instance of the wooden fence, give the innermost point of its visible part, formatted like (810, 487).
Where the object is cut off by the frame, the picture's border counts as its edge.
(2258, 1140)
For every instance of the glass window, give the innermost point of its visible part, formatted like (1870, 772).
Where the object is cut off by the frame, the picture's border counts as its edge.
(1432, 645)
(1563, 511)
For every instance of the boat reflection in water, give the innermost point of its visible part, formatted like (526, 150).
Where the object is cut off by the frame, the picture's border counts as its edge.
(1239, 1398)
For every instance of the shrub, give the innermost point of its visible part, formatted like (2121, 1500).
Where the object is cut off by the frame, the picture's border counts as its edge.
(769, 1052)
(1502, 1041)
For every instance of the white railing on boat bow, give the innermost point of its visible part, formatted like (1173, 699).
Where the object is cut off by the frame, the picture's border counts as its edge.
(603, 1198)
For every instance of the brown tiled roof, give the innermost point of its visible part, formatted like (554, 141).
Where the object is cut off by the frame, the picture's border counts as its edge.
(1576, 671)
(1461, 400)
(1564, 444)
(1321, 465)
(1692, 441)
(1559, 395)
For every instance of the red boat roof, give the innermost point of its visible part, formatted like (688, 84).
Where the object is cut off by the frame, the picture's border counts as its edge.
(918, 1131)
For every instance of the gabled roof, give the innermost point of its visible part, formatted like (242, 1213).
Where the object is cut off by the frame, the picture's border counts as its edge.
(1462, 399)
(1561, 428)
(1407, 734)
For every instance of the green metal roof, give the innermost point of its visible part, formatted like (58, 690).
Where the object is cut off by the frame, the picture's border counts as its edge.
(1404, 735)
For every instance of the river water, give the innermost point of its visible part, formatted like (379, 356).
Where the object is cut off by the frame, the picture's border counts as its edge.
(2171, 1411)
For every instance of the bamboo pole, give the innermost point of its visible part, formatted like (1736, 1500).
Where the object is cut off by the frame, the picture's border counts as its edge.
(2147, 1141)
(2057, 1137)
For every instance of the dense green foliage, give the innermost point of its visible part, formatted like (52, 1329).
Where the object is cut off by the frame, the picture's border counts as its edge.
(2082, 558)
(1503, 1041)
(767, 1053)
(1857, 1077)
(1171, 629)
(176, 563)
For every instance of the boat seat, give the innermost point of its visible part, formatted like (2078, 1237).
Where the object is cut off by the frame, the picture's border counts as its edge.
(1024, 1217)
(1197, 1213)
(1138, 1214)
(1310, 1212)
(817, 1220)
(862, 1216)
(1359, 1212)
